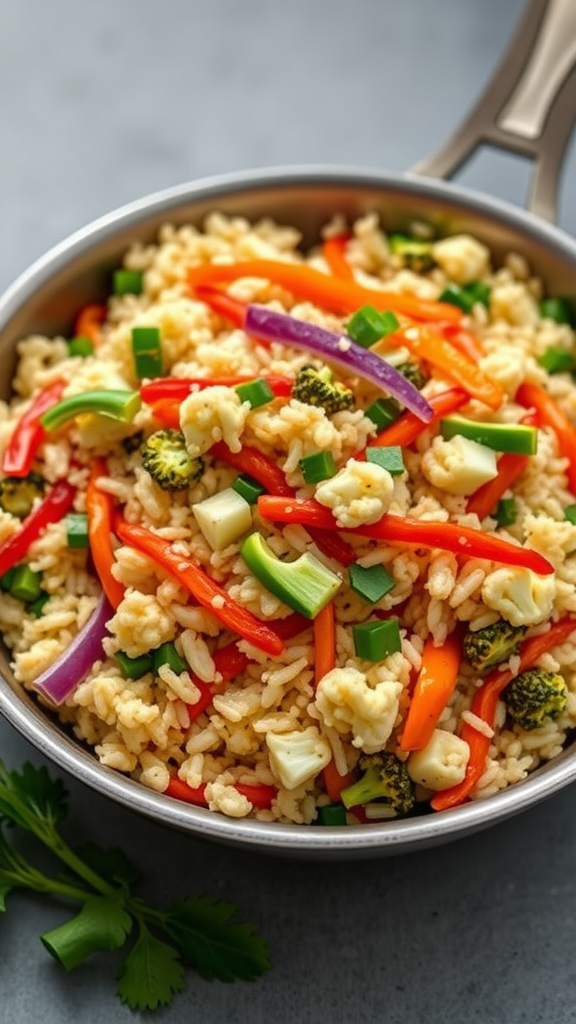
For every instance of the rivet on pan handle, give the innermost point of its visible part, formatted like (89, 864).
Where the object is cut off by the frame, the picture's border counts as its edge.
(528, 107)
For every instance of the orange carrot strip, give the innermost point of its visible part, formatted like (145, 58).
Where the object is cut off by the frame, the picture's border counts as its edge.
(430, 345)
(324, 642)
(485, 704)
(100, 511)
(331, 293)
(464, 340)
(334, 252)
(551, 415)
(434, 686)
(89, 322)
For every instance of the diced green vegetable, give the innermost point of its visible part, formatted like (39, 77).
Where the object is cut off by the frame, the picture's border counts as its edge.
(248, 488)
(557, 360)
(7, 579)
(371, 582)
(376, 639)
(518, 438)
(127, 282)
(116, 404)
(77, 530)
(256, 392)
(558, 309)
(569, 514)
(147, 351)
(368, 325)
(506, 511)
(223, 517)
(134, 668)
(167, 654)
(466, 296)
(80, 346)
(36, 608)
(416, 253)
(317, 466)
(26, 584)
(306, 585)
(18, 493)
(383, 412)
(389, 457)
(332, 814)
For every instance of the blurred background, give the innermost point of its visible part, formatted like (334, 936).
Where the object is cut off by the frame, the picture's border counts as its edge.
(104, 103)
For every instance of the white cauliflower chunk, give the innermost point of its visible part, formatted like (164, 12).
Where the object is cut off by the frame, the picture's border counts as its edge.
(296, 757)
(520, 596)
(214, 414)
(348, 703)
(462, 258)
(441, 763)
(361, 492)
(458, 465)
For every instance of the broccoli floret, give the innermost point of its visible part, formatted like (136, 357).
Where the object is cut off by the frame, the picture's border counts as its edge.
(318, 387)
(415, 253)
(165, 457)
(385, 779)
(414, 373)
(18, 493)
(535, 695)
(492, 645)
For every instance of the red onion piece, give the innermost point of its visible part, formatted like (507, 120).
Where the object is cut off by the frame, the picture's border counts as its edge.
(74, 664)
(339, 349)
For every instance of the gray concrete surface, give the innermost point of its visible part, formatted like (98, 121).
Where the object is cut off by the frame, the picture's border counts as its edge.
(103, 103)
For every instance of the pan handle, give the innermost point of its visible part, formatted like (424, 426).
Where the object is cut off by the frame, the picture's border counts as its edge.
(528, 106)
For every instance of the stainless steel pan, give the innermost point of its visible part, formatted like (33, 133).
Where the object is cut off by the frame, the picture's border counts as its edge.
(528, 108)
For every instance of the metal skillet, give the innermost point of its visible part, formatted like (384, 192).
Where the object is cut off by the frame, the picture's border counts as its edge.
(528, 108)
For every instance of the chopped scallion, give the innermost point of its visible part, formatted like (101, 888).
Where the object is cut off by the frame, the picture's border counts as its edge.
(466, 296)
(332, 814)
(317, 466)
(368, 325)
(147, 351)
(256, 392)
(557, 309)
(389, 457)
(376, 639)
(80, 346)
(506, 512)
(26, 584)
(569, 514)
(36, 607)
(77, 530)
(248, 488)
(370, 582)
(127, 282)
(167, 654)
(134, 668)
(383, 412)
(558, 360)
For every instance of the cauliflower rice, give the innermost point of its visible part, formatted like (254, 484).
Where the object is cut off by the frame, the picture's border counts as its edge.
(274, 725)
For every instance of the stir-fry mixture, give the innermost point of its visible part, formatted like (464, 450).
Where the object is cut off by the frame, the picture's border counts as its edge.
(291, 534)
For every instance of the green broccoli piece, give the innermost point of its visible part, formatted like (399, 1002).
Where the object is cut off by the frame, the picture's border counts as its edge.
(492, 645)
(535, 695)
(318, 387)
(415, 253)
(18, 493)
(166, 459)
(385, 778)
(414, 373)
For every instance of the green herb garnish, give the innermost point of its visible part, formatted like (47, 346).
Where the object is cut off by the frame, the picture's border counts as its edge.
(197, 931)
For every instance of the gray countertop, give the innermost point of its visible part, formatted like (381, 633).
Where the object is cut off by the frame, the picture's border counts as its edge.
(104, 103)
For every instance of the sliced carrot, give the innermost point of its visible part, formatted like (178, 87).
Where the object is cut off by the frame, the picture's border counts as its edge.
(100, 512)
(430, 345)
(324, 642)
(328, 292)
(334, 252)
(464, 340)
(551, 415)
(89, 322)
(434, 686)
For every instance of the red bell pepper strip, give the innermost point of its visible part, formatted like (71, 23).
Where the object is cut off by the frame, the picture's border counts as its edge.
(230, 662)
(485, 704)
(29, 433)
(324, 642)
(51, 509)
(551, 415)
(179, 388)
(334, 783)
(330, 293)
(223, 304)
(418, 533)
(167, 413)
(431, 346)
(260, 795)
(100, 512)
(408, 427)
(334, 252)
(89, 322)
(196, 581)
(257, 465)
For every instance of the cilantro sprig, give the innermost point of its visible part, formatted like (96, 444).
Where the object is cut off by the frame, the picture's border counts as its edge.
(197, 931)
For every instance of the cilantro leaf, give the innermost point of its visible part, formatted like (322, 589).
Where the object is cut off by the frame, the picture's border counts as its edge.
(151, 974)
(216, 944)
(31, 794)
(101, 924)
